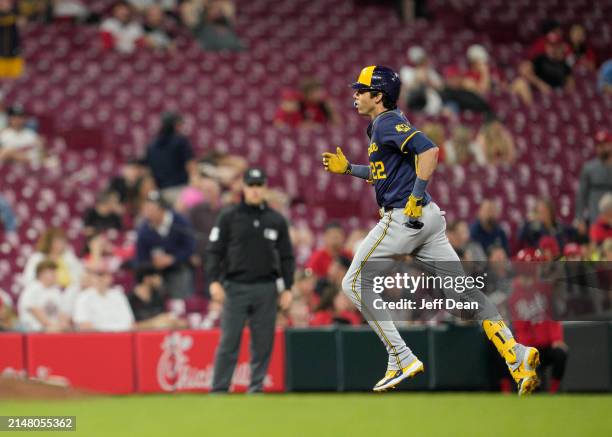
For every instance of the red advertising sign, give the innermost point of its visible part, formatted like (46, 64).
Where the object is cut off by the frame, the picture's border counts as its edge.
(11, 355)
(101, 362)
(184, 360)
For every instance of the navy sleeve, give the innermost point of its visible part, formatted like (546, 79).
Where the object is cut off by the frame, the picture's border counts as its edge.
(184, 244)
(143, 246)
(401, 135)
(186, 149)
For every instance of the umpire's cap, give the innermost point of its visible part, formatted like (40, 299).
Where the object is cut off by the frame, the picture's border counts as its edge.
(254, 176)
(379, 78)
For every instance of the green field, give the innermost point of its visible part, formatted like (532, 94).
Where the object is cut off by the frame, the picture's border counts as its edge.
(318, 415)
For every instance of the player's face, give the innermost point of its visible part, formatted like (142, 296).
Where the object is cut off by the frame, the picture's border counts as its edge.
(364, 102)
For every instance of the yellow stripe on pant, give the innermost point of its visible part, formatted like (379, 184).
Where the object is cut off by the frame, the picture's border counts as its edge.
(358, 297)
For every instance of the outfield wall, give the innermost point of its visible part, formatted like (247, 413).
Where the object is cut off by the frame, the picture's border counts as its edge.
(456, 357)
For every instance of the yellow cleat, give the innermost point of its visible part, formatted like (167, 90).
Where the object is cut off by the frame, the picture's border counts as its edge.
(394, 377)
(525, 374)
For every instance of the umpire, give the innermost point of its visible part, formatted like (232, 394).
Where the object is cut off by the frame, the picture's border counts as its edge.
(250, 251)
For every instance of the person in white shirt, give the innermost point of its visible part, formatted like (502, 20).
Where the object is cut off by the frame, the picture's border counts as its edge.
(120, 32)
(40, 304)
(18, 142)
(102, 307)
(421, 83)
(53, 244)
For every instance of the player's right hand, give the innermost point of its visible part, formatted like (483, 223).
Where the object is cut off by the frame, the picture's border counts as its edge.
(335, 162)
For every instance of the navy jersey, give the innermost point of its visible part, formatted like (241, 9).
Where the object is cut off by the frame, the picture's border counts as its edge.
(394, 146)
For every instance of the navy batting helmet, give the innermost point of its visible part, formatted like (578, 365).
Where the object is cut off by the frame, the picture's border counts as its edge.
(379, 78)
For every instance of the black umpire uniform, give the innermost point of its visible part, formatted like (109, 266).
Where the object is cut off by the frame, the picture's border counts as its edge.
(251, 254)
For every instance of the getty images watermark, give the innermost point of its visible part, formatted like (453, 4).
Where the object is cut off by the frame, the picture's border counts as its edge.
(416, 291)
(411, 283)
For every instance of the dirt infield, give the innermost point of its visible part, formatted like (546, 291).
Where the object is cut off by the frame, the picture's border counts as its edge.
(18, 388)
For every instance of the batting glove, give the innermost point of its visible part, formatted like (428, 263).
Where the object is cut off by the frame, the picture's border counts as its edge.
(414, 207)
(336, 162)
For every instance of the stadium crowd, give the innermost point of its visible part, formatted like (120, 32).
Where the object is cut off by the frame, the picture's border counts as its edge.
(144, 239)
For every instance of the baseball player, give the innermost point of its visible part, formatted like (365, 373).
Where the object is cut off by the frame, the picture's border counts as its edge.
(401, 162)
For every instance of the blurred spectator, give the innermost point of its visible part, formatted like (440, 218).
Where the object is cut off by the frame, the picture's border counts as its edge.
(104, 215)
(533, 320)
(17, 141)
(335, 308)
(550, 69)
(458, 98)
(480, 77)
(604, 78)
(420, 83)
(458, 233)
(203, 215)
(102, 307)
(316, 106)
(155, 34)
(549, 28)
(165, 241)
(132, 185)
(543, 222)
(99, 248)
(435, 132)
(8, 316)
(601, 229)
(170, 157)
(70, 9)
(53, 245)
(148, 303)
(354, 239)
(201, 189)
(499, 276)
(336, 272)
(606, 250)
(11, 62)
(8, 220)
(579, 288)
(582, 52)
(72, 293)
(121, 32)
(595, 181)
(302, 240)
(333, 246)
(40, 304)
(494, 144)
(486, 230)
(460, 149)
(289, 112)
(304, 288)
(212, 23)
(164, 5)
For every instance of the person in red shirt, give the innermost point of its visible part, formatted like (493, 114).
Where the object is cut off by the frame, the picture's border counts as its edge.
(531, 307)
(333, 246)
(335, 308)
(288, 112)
(582, 52)
(315, 105)
(601, 229)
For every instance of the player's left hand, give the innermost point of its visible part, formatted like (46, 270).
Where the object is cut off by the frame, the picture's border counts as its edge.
(335, 162)
(414, 207)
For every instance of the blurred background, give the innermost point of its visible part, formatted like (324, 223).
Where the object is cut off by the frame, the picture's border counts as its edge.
(105, 102)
